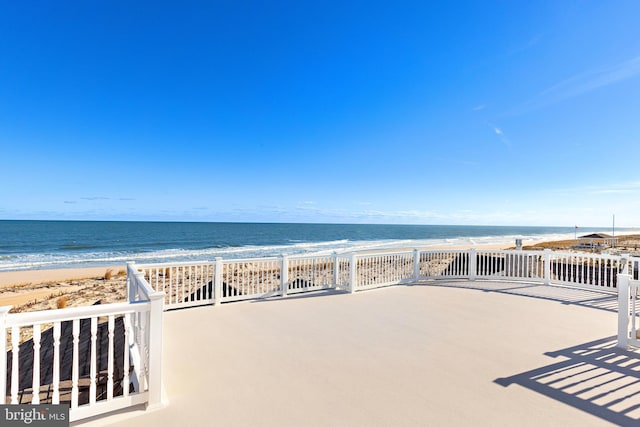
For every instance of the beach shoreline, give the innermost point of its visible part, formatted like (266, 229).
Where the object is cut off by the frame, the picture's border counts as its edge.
(28, 290)
(36, 277)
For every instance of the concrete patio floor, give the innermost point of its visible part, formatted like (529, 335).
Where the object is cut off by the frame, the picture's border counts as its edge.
(443, 353)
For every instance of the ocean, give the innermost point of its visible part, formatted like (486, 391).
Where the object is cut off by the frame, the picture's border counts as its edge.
(26, 245)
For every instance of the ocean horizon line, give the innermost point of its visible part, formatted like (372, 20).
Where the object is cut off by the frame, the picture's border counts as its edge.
(170, 221)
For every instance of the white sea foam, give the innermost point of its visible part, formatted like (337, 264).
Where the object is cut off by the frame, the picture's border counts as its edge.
(86, 259)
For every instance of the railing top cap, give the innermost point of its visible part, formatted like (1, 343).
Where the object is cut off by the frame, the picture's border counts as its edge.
(72, 313)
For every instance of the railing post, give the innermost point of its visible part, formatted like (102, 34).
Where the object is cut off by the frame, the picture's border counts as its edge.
(416, 264)
(336, 270)
(547, 266)
(4, 311)
(155, 349)
(473, 264)
(284, 275)
(623, 311)
(131, 268)
(217, 282)
(354, 269)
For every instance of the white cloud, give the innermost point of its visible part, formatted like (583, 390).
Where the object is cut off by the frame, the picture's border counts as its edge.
(611, 188)
(528, 45)
(479, 107)
(593, 79)
(584, 82)
(500, 133)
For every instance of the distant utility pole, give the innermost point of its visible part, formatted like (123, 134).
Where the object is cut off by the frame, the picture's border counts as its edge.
(613, 232)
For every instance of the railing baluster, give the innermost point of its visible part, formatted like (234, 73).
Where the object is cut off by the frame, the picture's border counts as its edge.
(56, 363)
(574, 268)
(196, 280)
(391, 269)
(383, 266)
(94, 357)
(4, 310)
(251, 279)
(126, 320)
(15, 363)
(190, 274)
(259, 270)
(245, 277)
(110, 361)
(75, 364)
(35, 395)
(375, 262)
(209, 279)
(487, 263)
(199, 283)
(164, 283)
(634, 319)
(141, 368)
(182, 284)
(255, 279)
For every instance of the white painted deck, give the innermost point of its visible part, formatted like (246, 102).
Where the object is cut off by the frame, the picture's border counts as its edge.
(447, 353)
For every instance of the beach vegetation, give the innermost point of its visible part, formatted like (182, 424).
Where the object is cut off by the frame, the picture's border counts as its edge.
(62, 302)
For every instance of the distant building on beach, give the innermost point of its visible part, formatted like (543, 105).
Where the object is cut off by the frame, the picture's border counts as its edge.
(596, 241)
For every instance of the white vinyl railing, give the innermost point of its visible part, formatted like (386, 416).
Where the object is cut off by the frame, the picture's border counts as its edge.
(310, 273)
(243, 279)
(96, 359)
(184, 284)
(628, 311)
(588, 269)
(202, 283)
(374, 271)
(444, 264)
(512, 265)
(343, 272)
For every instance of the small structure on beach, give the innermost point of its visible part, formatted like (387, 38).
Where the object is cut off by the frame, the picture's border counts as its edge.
(596, 241)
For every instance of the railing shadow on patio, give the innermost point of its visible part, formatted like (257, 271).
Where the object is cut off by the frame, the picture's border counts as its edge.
(566, 295)
(595, 377)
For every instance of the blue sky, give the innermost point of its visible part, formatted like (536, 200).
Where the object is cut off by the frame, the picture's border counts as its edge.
(507, 113)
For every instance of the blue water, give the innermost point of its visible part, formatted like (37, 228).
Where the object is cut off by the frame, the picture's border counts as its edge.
(60, 244)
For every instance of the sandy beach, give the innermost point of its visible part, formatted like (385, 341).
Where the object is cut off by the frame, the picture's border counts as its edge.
(12, 278)
(31, 290)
